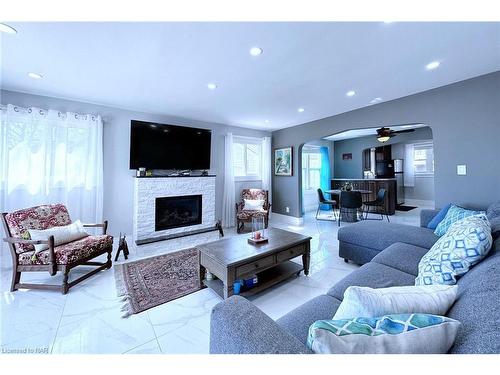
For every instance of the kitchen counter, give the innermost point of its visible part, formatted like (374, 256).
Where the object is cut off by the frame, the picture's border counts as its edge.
(364, 179)
(373, 185)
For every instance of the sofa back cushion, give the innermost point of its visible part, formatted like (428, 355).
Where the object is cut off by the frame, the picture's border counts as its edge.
(254, 194)
(493, 211)
(39, 217)
(478, 307)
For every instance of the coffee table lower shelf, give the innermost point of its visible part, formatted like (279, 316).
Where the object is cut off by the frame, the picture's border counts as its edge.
(267, 278)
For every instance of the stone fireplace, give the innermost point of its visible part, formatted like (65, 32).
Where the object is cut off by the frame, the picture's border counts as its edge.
(169, 207)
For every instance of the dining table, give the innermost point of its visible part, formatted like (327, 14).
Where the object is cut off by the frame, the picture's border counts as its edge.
(348, 216)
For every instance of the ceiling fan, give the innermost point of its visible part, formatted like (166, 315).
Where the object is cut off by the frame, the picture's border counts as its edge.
(384, 134)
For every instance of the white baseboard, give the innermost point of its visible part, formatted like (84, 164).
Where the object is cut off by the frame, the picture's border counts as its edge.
(285, 219)
(419, 203)
(311, 208)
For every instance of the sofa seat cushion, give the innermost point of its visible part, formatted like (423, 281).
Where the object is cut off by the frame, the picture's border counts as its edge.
(71, 252)
(402, 256)
(478, 308)
(248, 214)
(373, 275)
(298, 321)
(380, 235)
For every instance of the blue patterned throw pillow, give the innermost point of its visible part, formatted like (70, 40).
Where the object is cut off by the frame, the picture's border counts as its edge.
(466, 243)
(389, 334)
(454, 214)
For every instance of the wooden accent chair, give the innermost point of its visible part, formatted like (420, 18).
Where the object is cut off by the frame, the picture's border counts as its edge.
(245, 216)
(56, 258)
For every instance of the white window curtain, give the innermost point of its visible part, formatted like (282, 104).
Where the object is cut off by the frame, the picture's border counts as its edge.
(47, 156)
(408, 167)
(228, 197)
(266, 165)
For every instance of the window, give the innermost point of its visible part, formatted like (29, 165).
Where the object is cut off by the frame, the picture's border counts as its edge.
(247, 158)
(423, 159)
(311, 169)
(51, 156)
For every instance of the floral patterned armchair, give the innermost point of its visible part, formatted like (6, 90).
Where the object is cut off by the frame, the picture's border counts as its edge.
(245, 216)
(56, 258)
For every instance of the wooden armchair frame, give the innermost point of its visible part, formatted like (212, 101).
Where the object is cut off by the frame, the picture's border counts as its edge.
(52, 268)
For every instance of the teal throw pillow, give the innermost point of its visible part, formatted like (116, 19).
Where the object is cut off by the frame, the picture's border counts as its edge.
(389, 334)
(454, 214)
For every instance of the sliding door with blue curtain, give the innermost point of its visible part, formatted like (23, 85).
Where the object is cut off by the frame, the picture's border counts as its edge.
(325, 177)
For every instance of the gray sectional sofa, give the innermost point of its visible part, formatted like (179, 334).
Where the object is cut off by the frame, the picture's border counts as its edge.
(360, 243)
(237, 326)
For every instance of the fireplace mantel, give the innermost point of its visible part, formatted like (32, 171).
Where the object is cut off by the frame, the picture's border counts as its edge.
(146, 190)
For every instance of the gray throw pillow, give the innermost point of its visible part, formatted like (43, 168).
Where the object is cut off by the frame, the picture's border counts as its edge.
(495, 227)
(493, 211)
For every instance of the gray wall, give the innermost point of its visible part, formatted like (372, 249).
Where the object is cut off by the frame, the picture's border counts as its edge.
(424, 185)
(354, 168)
(118, 179)
(465, 122)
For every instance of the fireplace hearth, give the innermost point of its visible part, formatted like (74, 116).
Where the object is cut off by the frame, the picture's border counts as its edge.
(178, 211)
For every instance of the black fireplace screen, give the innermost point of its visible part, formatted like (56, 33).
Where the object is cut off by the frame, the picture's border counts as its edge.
(175, 212)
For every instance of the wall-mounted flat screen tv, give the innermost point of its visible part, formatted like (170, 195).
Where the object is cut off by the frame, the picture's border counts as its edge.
(161, 146)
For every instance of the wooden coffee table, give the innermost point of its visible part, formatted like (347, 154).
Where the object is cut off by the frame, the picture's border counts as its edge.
(233, 258)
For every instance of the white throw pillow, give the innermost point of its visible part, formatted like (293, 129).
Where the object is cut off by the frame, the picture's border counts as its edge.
(390, 334)
(253, 205)
(369, 302)
(62, 234)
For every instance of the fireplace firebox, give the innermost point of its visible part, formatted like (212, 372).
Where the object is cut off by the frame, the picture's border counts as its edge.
(176, 212)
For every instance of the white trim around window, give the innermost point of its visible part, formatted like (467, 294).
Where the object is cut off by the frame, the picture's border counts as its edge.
(247, 159)
(423, 159)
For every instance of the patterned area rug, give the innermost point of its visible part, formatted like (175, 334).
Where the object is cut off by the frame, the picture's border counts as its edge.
(150, 282)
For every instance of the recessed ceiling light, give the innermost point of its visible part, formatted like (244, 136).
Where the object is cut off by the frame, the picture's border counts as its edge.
(7, 29)
(256, 51)
(35, 75)
(432, 65)
(376, 100)
(212, 86)
(300, 110)
(350, 93)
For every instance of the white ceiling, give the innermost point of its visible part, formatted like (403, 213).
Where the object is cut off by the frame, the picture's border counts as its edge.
(356, 133)
(164, 67)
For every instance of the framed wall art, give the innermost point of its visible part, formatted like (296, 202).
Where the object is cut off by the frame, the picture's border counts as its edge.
(283, 161)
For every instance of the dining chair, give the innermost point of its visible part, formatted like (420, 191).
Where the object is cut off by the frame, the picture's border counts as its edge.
(351, 202)
(323, 201)
(378, 204)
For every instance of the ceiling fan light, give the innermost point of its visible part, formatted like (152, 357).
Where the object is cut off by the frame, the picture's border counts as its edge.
(383, 138)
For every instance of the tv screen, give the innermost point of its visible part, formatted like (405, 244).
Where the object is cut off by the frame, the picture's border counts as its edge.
(161, 146)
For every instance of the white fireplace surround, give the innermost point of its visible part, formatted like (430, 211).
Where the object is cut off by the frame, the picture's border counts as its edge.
(147, 189)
